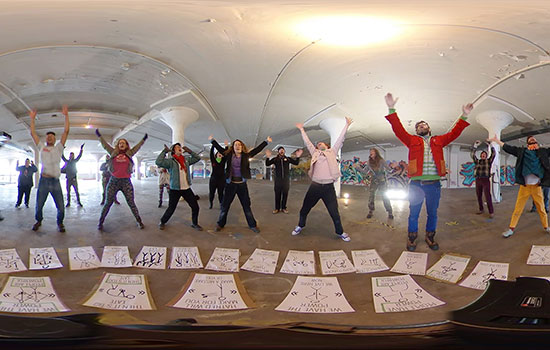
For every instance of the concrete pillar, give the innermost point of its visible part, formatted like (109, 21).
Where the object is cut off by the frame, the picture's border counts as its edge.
(37, 163)
(138, 167)
(97, 157)
(495, 122)
(333, 127)
(178, 118)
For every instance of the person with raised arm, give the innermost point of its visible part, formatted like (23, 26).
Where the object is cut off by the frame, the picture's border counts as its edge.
(217, 177)
(426, 167)
(482, 173)
(282, 175)
(25, 182)
(532, 171)
(105, 177)
(50, 157)
(324, 171)
(180, 181)
(121, 167)
(70, 174)
(237, 172)
(378, 167)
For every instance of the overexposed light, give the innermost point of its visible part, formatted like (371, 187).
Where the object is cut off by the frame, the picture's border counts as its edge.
(346, 202)
(348, 30)
(346, 195)
(88, 126)
(396, 194)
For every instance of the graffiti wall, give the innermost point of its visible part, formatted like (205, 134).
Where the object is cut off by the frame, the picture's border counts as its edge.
(357, 172)
(467, 172)
(507, 174)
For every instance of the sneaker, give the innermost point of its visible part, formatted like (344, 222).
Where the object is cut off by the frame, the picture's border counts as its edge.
(36, 225)
(285, 211)
(275, 211)
(160, 204)
(210, 207)
(218, 228)
(197, 227)
(390, 216)
(141, 225)
(255, 229)
(479, 212)
(547, 230)
(297, 230)
(61, 228)
(27, 205)
(100, 227)
(492, 215)
(369, 215)
(161, 226)
(507, 233)
(533, 209)
(17, 205)
(345, 237)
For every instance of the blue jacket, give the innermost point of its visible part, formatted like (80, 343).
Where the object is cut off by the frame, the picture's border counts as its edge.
(173, 167)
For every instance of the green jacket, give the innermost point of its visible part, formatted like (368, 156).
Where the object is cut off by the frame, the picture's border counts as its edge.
(173, 167)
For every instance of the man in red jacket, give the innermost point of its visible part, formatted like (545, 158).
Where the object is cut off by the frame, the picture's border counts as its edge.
(426, 167)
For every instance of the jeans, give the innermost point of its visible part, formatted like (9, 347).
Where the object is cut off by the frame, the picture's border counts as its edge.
(545, 192)
(327, 193)
(418, 191)
(281, 193)
(241, 190)
(23, 190)
(72, 182)
(374, 186)
(174, 197)
(49, 185)
(215, 185)
(483, 185)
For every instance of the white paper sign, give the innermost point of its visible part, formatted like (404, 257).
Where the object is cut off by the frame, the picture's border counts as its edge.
(539, 255)
(367, 261)
(449, 268)
(411, 263)
(224, 259)
(10, 261)
(83, 258)
(44, 259)
(485, 271)
(299, 263)
(121, 292)
(318, 295)
(186, 258)
(151, 258)
(262, 261)
(116, 256)
(400, 293)
(30, 295)
(212, 292)
(335, 262)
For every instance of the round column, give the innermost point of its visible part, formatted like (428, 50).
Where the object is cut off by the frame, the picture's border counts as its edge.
(333, 127)
(178, 118)
(495, 121)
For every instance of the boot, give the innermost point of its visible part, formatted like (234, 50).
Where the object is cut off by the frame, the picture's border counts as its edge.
(369, 215)
(411, 245)
(430, 240)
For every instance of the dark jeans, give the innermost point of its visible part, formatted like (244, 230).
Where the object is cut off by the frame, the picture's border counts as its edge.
(72, 182)
(374, 186)
(23, 190)
(213, 185)
(49, 185)
(281, 193)
(483, 186)
(173, 199)
(327, 193)
(545, 192)
(241, 190)
(418, 191)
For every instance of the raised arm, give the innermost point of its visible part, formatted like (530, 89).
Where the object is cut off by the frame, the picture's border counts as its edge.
(216, 144)
(260, 147)
(307, 142)
(162, 161)
(65, 135)
(493, 153)
(340, 140)
(193, 157)
(34, 135)
(396, 124)
(474, 149)
(136, 148)
(104, 143)
(80, 154)
(63, 157)
(507, 148)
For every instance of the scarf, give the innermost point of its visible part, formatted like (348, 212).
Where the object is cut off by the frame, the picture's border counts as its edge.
(181, 161)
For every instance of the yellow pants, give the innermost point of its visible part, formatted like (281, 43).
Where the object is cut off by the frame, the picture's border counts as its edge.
(526, 191)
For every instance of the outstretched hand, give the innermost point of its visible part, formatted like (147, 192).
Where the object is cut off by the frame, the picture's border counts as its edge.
(269, 139)
(33, 113)
(496, 140)
(268, 153)
(299, 152)
(82, 146)
(390, 101)
(187, 149)
(467, 108)
(211, 137)
(349, 121)
(166, 148)
(477, 143)
(300, 126)
(145, 136)
(97, 133)
(65, 110)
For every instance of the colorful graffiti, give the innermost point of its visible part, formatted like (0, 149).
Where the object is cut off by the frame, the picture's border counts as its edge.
(507, 175)
(467, 171)
(357, 172)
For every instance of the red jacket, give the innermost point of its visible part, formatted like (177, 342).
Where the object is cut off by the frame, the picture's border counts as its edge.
(415, 144)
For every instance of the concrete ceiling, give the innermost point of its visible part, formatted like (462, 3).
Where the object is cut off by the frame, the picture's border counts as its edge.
(250, 73)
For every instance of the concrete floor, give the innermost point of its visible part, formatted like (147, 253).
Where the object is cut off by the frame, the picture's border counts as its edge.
(477, 236)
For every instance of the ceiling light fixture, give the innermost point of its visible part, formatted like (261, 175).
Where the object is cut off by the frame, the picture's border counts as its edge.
(348, 30)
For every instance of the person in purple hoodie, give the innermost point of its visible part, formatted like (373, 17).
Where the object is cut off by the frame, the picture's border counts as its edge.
(237, 171)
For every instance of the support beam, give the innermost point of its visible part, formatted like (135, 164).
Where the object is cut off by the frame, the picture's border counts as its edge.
(151, 115)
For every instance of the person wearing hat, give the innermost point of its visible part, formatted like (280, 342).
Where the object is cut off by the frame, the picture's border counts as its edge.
(217, 177)
(282, 175)
(24, 182)
(121, 167)
(70, 173)
(237, 171)
(180, 182)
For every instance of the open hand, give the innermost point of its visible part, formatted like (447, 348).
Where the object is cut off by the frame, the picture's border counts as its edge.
(268, 153)
(300, 126)
(65, 110)
(269, 139)
(390, 101)
(467, 108)
(299, 152)
(33, 113)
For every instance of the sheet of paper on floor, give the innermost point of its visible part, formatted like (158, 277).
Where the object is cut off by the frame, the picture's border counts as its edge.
(151, 258)
(400, 293)
(299, 262)
(116, 256)
(483, 272)
(411, 263)
(44, 259)
(121, 292)
(10, 261)
(367, 261)
(262, 261)
(449, 268)
(539, 255)
(30, 295)
(186, 258)
(224, 259)
(335, 262)
(83, 258)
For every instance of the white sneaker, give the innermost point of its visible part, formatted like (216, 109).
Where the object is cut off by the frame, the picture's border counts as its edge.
(297, 231)
(547, 230)
(507, 233)
(345, 237)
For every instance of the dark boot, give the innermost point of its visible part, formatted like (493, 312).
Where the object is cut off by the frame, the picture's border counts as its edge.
(369, 215)
(411, 245)
(431, 241)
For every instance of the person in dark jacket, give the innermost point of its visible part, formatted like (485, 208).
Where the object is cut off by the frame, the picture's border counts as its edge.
(282, 176)
(180, 181)
(217, 177)
(237, 171)
(25, 182)
(105, 177)
(532, 172)
(70, 173)
(482, 173)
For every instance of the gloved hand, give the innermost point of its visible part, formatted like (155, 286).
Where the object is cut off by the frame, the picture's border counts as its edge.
(97, 133)
(145, 137)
